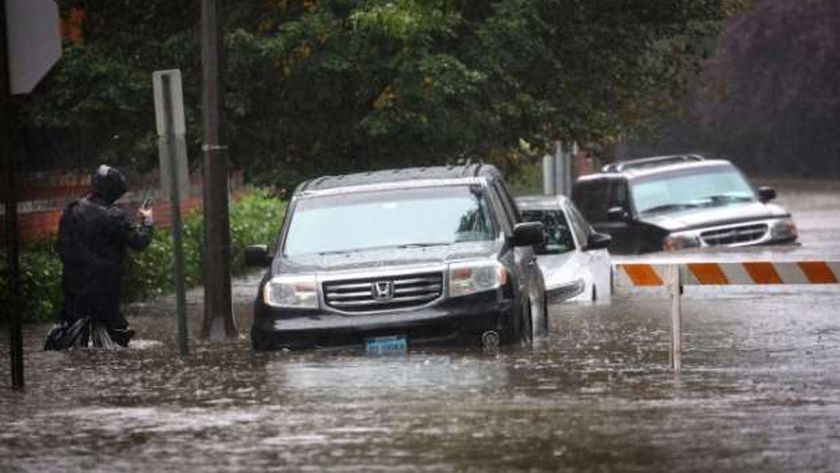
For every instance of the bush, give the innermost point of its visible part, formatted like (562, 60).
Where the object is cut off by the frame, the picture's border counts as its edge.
(254, 219)
(40, 284)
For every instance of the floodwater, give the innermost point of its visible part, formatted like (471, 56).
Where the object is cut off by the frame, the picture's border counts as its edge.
(759, 392)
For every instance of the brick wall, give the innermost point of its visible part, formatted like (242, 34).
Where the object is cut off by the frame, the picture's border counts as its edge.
(43, 196)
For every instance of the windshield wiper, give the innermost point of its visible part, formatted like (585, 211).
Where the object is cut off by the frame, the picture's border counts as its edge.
(726, 198)
(666, 207)
(382, 247)
(423, 245)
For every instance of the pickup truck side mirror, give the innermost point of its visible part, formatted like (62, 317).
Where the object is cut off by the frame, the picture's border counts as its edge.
(766, 194)
(598, 241)
(256, 256)
(528, 234)
(617, 214)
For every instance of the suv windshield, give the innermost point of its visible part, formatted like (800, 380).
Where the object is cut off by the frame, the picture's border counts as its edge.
(558, 235)
(393, 218)
(708, 187)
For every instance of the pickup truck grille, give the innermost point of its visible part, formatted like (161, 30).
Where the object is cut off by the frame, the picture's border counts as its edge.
(383, 292)
(734, 235)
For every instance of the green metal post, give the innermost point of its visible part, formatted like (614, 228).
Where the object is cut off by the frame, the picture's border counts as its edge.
(177, 227)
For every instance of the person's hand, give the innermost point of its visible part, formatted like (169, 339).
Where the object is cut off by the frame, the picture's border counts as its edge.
(147, 215)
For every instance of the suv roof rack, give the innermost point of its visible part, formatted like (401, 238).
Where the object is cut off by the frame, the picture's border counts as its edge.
(651, 162)
(402, 174)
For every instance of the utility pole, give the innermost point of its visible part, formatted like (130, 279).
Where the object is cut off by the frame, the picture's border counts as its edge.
(218, 310)
(9, 166)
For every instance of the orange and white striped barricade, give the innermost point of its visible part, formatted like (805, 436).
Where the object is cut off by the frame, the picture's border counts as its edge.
(676, 275)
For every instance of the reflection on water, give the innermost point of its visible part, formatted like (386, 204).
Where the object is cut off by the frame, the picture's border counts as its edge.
(362, 377)
(760, 392)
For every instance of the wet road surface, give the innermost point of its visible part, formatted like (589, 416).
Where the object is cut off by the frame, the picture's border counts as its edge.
(760, 391)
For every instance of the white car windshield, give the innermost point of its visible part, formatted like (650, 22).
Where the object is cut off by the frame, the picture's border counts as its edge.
(558, 236)
(710, 187)
(394, 218)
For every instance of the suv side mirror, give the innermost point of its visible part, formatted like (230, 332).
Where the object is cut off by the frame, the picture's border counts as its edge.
(528, 234)
(766, 194)
(617, 214)
(598, 241)
(256, 256)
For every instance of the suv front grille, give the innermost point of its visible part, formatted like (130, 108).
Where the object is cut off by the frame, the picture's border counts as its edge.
(383, 293)
(734, 235)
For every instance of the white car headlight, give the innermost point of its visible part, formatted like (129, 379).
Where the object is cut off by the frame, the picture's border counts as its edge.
(676, 241)
(470, 278)
(783, 229)
(299, 292)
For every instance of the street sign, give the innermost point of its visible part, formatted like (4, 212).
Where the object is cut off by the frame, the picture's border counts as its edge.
(172, 145)
(34, 42)
(171, 130)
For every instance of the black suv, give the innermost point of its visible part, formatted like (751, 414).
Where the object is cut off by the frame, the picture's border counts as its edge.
(678, 202)
(389, 259)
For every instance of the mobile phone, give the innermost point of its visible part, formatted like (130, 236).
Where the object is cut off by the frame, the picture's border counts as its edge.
(147, 203)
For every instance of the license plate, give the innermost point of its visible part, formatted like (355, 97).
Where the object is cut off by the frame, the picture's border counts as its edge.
(386, 345)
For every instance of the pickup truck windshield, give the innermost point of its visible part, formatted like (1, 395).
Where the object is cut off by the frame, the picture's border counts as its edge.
(393, 218)
(712, 187)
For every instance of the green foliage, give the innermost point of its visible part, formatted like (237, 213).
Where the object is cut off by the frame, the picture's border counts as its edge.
(327, 86)
(255, 219)
(40, 284)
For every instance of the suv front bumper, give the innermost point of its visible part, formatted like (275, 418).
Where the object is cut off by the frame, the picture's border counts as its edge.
(461, 319)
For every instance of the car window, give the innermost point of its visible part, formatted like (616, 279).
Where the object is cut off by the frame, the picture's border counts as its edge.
(580, 226)
(380, 219)
(591, 198)
(558, 235)
(507, 201)
(618, 194)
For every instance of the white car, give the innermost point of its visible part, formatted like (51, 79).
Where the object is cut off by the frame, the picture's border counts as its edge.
(574, 259)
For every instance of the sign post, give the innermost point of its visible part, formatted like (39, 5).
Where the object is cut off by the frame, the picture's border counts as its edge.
(30, 44)
(172, 146)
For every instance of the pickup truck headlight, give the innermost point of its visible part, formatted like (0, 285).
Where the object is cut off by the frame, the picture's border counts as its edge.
(298, 292)
(783, 229)
(470, 278)
(676, 241)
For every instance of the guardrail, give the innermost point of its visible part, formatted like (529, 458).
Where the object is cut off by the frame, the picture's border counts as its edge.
(676, 275)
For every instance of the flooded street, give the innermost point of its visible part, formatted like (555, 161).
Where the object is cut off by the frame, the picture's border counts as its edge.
(759, 391)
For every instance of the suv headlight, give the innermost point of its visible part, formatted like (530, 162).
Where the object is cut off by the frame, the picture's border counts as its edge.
(783, 229)
(299, 292)
(470, 278)
(677, 241)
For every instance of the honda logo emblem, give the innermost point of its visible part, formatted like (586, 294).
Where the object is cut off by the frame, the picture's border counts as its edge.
(383, 290)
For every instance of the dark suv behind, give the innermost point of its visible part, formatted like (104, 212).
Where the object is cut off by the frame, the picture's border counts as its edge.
(386, 260)
(679, 202)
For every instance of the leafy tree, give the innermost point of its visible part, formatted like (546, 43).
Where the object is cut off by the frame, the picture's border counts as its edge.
(326, 86)
(771, 97)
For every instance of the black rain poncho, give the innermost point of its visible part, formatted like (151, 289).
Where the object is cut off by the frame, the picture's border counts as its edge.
(92, 241)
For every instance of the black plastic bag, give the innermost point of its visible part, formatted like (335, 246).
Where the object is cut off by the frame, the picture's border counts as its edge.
(85, 332)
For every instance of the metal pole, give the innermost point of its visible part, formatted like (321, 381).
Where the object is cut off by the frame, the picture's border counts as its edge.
(177, 227)
(217, 287)
(548, 174)
(10, 205)
(676, 318)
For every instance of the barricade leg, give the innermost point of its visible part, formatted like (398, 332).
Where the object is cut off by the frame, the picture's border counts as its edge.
(675, 287)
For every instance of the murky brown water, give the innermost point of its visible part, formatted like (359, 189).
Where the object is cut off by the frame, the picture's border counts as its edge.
(760, 392)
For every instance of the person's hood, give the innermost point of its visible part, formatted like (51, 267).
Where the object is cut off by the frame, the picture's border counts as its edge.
(711, 216)
(108, 184)
(380, 258)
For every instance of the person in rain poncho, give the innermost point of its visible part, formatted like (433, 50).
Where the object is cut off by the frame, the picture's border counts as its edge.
(93, 237)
